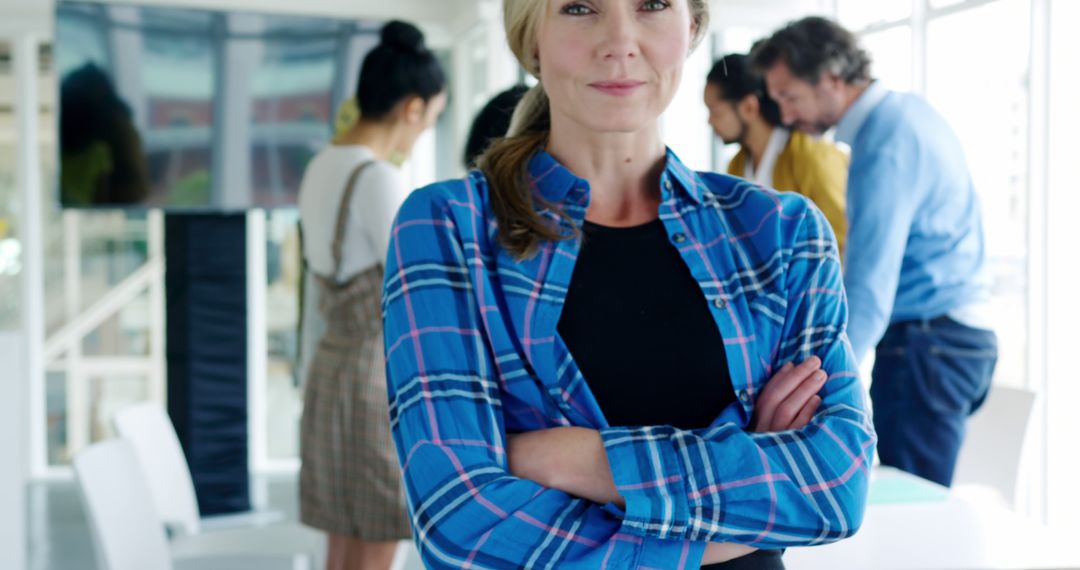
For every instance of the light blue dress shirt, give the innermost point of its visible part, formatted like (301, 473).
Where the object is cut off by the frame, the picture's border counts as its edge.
(915, 238)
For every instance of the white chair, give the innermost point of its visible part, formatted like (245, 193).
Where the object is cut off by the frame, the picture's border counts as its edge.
(127, 532)
(150, 431)
(993, 447)
(160, 458)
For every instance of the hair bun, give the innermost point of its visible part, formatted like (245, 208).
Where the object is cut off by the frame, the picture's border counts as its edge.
(403, 36)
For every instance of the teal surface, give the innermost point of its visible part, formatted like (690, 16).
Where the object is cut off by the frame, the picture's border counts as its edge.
(897, 490)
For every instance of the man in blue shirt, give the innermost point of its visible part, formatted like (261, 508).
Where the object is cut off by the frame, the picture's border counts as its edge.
(915, 270)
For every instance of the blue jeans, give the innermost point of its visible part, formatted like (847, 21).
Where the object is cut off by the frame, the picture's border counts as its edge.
(929, 376)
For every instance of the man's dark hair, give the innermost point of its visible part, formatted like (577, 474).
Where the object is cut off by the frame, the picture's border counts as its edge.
(737, 79)
(400, 66)
(812, 47)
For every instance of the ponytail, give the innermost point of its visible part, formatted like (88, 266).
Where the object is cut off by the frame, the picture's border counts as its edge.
(506, 166)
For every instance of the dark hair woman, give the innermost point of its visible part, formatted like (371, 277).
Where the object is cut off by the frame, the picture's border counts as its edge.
(349, 481)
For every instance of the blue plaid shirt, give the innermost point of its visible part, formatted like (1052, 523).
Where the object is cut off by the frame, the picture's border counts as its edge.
(473, 354)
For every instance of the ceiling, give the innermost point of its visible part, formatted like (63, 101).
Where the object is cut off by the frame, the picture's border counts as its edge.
(442, 20)
(442, 15)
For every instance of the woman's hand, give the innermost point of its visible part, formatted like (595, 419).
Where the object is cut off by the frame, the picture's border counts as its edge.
(570, 459)
(789, 399)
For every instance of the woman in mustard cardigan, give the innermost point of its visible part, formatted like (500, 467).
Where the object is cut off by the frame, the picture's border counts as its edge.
(741, 112)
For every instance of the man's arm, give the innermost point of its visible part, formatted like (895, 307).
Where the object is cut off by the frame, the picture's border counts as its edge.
(881, 207)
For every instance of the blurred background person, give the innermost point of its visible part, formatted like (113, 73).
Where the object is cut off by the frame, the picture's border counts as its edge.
(741, 112)
(491, 123)
(100, 149)
(915, 272)
(350, 484)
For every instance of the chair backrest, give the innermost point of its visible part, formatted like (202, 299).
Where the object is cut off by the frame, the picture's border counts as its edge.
(994, 444)
(153, 437)
(127, 532)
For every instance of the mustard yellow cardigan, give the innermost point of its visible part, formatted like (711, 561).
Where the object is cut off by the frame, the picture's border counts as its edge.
(814, 168)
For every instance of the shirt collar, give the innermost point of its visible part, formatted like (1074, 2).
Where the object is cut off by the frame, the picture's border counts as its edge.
(557, 184)
(848, 127)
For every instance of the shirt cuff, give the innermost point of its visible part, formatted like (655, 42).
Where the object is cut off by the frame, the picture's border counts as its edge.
(649, 475)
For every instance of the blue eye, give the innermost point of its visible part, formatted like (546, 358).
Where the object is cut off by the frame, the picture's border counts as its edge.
(655, 5)
(576, 10)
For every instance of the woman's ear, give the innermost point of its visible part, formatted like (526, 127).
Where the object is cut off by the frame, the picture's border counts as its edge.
(695, 28)
(413, 110)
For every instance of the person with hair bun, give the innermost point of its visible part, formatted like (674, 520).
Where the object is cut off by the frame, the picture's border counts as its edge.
(492, 123)
(599, 358)
(350, 485)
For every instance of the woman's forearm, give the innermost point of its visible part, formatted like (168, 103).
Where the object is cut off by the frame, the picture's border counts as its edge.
(573, 460)
(570, 459)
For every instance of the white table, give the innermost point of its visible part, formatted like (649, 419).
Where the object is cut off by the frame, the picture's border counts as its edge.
(933, 529)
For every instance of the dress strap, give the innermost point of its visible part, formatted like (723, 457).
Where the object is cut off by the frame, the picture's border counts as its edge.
(343, 214)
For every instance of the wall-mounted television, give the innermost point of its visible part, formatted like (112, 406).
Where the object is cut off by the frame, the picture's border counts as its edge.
(202, 110)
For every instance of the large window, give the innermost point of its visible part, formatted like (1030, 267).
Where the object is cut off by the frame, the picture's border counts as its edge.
(860, 14)
(980, 84)
(890, 50)
(974, 62)
(976, 76)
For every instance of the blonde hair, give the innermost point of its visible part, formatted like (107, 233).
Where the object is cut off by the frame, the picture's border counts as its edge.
(506, 162)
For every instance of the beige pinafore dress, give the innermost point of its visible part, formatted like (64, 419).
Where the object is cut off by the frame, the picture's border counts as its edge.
(350, 481)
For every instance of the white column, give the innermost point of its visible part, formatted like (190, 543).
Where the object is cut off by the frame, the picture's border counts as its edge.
(256, 341)
(76, 380)
(1033, 472)
(24, 390)
(241, 58)
(156, 246)
(126, 42)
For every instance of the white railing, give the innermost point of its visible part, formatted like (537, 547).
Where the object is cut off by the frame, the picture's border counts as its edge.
(63, 349)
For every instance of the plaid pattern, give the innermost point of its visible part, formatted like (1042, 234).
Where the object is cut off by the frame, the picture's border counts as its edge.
(349, 480)
(473, 354)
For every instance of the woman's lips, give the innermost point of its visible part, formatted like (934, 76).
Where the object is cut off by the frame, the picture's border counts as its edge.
(620, 88)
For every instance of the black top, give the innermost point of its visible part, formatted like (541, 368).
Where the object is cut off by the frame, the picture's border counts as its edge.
(644, 337)
(642, 332)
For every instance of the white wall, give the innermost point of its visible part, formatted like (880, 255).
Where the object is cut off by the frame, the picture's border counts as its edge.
(438, 18)
(1063, 273)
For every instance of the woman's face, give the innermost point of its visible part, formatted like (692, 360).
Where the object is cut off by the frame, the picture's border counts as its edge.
(613, 65)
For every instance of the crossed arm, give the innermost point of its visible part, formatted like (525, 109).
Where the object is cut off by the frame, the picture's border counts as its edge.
(476, 496)
(573, 459)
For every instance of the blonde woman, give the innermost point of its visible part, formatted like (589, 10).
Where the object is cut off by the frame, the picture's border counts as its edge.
(599, 358)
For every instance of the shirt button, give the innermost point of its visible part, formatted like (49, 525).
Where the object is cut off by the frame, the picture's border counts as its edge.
(744, 397)
(679, 238)
(667, 185)
(719, 303)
